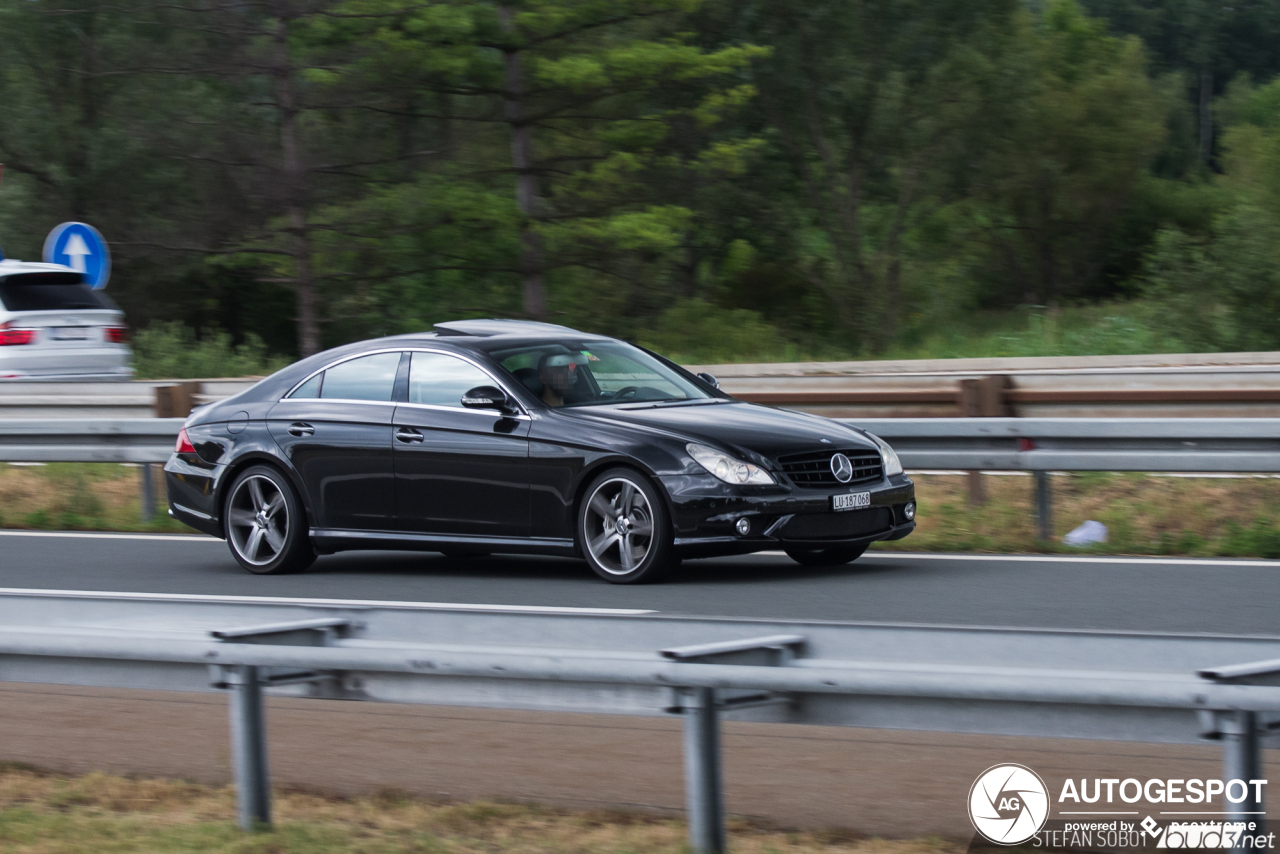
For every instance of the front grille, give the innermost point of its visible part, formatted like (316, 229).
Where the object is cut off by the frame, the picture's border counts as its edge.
(838, 526)
(814, 468)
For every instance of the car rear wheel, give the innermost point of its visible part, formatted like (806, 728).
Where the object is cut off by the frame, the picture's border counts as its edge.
(826, 557)
(265, 524)
(623, 529)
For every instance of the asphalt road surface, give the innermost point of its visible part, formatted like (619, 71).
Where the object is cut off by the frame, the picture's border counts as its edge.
(1135, 594)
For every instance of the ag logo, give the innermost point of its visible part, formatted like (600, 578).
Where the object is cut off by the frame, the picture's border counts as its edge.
(1008, 804)
(841, 467)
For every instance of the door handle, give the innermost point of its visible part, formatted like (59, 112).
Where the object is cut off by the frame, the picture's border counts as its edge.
(408, 435)
(300, 429)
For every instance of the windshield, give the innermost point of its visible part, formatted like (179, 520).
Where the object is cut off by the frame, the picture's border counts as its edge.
(588, 373)
(50, 292)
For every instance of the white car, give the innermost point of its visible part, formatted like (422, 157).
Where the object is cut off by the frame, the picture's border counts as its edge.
(55, 327)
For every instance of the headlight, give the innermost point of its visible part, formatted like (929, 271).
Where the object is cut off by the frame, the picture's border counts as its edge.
(892, 465)
(727, 468)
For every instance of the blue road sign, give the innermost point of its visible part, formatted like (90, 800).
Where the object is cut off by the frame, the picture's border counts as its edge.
(81, 248)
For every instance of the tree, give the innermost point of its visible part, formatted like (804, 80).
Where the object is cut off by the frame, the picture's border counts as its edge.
(1209, 42)
(588, 93)
(871, 107)
(1079, 126)
(1221, 290)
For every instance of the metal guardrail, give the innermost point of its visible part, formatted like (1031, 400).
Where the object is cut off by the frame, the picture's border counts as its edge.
(1038, 445)
(1219, 385)
(1053, 683)
(1083, 444)
(76, 440)
(140, 399)
(990, 444)
(1215, 385)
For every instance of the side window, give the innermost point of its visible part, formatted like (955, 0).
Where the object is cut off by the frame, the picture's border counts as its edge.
(441, 380)
(311, 388)
(366, 378)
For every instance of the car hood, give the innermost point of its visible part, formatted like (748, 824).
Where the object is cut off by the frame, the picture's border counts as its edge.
(768, 432)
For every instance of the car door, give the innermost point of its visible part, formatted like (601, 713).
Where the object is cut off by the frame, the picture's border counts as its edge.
(458, 471)
(336, 430)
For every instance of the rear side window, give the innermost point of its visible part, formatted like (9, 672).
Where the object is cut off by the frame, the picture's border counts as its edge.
(311, 388)
(50, 292)
(366, 378)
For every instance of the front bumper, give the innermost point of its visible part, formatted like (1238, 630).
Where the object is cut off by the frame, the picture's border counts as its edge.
(705, 512)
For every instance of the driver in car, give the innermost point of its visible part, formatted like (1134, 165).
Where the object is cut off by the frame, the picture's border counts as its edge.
(559, 374)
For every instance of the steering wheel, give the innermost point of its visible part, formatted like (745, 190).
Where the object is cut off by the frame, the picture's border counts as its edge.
(625, 393)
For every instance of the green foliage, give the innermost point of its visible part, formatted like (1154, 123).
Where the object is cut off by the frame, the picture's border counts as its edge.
(1119, 328)
(738, 180)
(696, 331)
(1083, 123)
(1220, 290)
(172, 351)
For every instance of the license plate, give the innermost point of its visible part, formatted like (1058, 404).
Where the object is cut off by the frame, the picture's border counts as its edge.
(850, 501)
(69, 333)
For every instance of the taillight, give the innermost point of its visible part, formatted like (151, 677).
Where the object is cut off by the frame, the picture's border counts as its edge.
(183, 445)
(10, 337)
(117, 334)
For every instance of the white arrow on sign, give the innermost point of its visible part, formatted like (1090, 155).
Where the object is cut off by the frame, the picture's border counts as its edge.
(76, 250)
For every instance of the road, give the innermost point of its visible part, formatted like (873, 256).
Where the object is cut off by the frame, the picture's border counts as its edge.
(1134, 594)
(881, 782)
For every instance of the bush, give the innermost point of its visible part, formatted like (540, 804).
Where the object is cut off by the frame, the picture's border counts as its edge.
(693, 330)
(173, 351)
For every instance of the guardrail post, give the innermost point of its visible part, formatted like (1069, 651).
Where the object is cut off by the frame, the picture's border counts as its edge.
(148, 497)
(703, 791)
(249, 748)
(983, 397)
(1242, 761)
(1044, 507)
(177, 400)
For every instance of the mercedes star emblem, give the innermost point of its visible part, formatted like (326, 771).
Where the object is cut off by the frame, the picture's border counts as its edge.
(841, 468)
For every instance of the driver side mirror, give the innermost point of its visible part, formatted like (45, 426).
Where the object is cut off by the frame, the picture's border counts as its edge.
(709, 379)
(488, 397)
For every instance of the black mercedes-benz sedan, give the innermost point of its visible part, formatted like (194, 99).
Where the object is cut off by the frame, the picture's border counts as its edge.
(491, 436)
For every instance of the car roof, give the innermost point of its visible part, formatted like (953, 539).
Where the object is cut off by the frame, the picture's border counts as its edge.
(492, 326)
(12, 267)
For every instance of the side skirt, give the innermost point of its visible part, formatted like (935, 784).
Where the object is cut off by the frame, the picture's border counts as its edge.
(337, 539)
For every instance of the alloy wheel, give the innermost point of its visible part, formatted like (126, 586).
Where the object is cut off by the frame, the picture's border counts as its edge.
(258, 520)
(619, 526)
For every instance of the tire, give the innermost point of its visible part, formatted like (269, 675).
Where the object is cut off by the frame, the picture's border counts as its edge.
(827, 557)
(642, 554)
(265, 523)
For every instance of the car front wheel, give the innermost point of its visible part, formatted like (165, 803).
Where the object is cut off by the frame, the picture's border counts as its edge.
(265, 524)
(623, 529)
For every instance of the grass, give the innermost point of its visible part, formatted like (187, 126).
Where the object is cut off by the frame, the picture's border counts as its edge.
(50, 813)
(1145, 514)
(79, 496)
(1096, 329)
(1099, 329)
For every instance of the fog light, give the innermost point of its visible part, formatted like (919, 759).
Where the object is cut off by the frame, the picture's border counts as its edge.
(743, 527)
(909, 511)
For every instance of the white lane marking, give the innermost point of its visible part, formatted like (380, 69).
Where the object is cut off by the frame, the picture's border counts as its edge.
(1152, 561)
(346, 603)
(99, 535)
